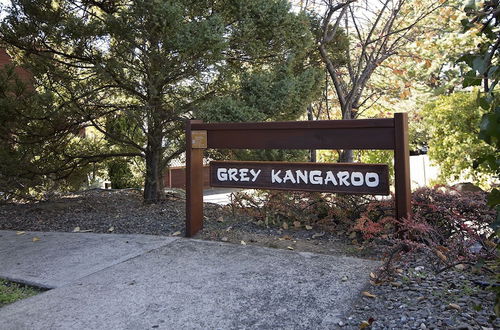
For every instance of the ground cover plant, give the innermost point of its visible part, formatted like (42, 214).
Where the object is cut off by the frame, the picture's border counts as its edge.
(11, 292)
(451, 226)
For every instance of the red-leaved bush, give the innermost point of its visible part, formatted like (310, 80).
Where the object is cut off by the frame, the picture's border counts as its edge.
(445, 221)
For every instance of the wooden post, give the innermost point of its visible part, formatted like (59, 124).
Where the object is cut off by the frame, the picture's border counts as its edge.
(402, 166)
(194, 181)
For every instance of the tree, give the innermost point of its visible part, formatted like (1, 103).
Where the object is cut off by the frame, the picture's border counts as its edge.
(452, 123)
(376, 32)
(153, 64)
(484, 16)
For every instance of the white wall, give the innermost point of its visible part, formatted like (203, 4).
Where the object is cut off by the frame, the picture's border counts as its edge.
(421, 171)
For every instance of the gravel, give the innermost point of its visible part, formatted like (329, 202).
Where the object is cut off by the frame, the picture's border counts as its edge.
(416, 298)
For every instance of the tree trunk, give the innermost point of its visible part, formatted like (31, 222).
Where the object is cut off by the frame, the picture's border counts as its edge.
(312, 152)
(153, 182)
(346, 155)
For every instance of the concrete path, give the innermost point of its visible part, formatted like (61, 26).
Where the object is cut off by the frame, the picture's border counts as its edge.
(221, 196)
(57, 259)
(179, 284)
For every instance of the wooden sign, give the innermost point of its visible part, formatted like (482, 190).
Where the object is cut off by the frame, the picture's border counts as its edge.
(371, 179)
(361, 134)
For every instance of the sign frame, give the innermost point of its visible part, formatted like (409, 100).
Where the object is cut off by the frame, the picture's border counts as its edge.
(373, 134)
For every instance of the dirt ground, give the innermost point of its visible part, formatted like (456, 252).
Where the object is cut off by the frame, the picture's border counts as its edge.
(123, 212)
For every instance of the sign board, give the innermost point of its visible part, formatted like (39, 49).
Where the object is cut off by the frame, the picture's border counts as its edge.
(360, 134)
(371, 179)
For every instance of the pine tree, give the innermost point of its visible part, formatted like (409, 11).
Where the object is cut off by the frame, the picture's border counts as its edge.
(154, 64)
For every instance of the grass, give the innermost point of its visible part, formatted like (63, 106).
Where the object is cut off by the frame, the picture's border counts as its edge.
(11, 292)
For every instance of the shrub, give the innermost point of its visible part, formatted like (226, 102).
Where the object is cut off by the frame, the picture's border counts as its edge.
(277, 207)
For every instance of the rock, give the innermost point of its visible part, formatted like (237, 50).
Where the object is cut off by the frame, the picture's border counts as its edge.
(423, 326)
(467, 186)
(454, 306)
(476, 247)
(419, 268)
(344, 278)
(224, 239)
(341, 324)
(397, 284)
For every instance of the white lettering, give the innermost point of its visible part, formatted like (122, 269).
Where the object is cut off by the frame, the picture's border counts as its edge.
(275, 176)
(357, 179)
(254, 174)
(301, 175)
(372, 179)
(289, 177)
(222, 174)
(343, 176)
(244, 174)
(232, 174)
(315, 177)
(330, 178)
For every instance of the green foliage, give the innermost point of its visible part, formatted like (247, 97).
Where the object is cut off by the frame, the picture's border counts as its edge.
(293, 155)
(452, 126)
(485, 65)
(120, 174)
(134, 71)
(11, 292)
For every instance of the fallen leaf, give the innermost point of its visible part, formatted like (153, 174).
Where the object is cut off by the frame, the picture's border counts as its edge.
(86, 230)
(243, 243)
(490, 244)
(111, 229)
(285, 237)
(441, 256)
(309, 227)
(297, 224)
(229, 228)
(285, 225)
(443, 249)
(318, 235)
(289, 247)
(454, 306)
(372, 275)
(368, 294)
(177, 233)
(20, 232)
(364, 325)
(220, 219)
(76, 230)
(35, 239)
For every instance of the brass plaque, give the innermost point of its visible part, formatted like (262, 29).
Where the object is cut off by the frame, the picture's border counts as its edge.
(199, 139)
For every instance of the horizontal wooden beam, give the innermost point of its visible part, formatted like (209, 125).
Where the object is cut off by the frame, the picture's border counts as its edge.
(313, 124)
(302, 138)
